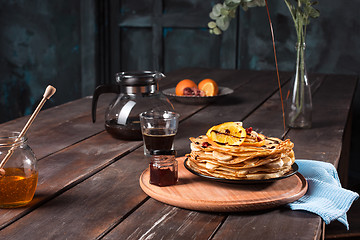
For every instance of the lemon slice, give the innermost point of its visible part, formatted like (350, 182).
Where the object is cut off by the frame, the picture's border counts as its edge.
(230, 133)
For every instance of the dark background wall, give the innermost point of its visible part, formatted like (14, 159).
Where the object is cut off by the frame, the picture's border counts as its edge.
(41, 43)
(75, 45)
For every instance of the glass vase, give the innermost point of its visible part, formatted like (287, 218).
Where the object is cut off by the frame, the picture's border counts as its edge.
(298, 101)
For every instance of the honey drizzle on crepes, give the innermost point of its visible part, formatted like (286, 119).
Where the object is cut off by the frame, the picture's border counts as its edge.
(276, 64)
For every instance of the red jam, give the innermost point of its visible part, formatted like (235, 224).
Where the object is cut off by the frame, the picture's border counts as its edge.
(163, 177)
(163, 168)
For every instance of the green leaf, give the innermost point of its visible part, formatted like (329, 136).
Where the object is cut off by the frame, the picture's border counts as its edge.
(254, 3)
(212, 16)
(231, 5)
(212, 24)
(223, 23)
(224, 12)
(291, 9)
(314, 3)
(232, 13)
(314, 13)
(301, 11)
(217, 31)
(217, 9)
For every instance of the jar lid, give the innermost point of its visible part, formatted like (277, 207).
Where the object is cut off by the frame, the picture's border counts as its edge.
(162, 152)
(11, 139)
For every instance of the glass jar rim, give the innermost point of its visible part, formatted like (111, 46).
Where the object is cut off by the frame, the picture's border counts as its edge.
(10, 139)
(159, 115)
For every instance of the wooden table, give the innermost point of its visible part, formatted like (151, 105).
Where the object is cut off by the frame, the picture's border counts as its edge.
(89, 182)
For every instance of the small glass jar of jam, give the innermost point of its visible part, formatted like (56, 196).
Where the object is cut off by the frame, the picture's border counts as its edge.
(19, 175)
(163, 168)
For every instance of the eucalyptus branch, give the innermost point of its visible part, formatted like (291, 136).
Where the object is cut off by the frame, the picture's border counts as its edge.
(291, 10)
(222, 14)
(301, 11)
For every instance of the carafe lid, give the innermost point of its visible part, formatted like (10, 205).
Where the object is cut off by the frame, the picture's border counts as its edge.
(141, 78)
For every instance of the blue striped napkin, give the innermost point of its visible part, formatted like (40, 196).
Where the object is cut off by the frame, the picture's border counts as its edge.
(325, 196)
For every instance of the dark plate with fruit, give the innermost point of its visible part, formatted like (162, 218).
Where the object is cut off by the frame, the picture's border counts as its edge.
(193, 99)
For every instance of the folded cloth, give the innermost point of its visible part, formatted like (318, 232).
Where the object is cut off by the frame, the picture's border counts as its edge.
(325, 196)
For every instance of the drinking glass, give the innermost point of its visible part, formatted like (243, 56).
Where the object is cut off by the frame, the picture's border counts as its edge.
(158, 130)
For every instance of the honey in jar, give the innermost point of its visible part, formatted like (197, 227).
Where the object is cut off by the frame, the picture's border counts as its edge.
(18, 183)
(17, 187)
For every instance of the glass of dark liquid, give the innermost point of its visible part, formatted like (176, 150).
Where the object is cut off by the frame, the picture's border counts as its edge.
(158, 130)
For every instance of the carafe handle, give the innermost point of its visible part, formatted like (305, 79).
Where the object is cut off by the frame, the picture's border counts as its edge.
(114, 88)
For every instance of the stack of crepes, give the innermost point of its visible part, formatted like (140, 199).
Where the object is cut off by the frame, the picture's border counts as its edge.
(230, 151)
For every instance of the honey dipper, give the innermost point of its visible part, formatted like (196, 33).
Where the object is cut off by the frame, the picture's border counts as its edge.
(50, 90)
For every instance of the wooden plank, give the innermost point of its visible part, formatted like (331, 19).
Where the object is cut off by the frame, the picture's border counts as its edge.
(344, 162)
(94, 205)
(59, 127)
(236, 107)
(331, 106)
(336, 230)
(73, 178)
(266, 108)
(268, 119)
(273, 224)
(303, 230)
(61, 171)
(73, 125)
(65, 125)
(226, 78)
(70, 121)
(64, 133)
(83, 212)
(75, 220)
(312, 225)
(286, 221)
(164, 220)
(99, 191)
(270, 109)
(53, 116)
(265, 86)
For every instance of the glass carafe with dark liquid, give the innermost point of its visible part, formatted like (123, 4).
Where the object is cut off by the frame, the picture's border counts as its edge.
(137, 92)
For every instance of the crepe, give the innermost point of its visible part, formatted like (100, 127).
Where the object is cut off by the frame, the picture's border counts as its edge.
(258, 157)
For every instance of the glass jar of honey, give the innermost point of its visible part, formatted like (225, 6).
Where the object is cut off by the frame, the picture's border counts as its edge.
(19, 174)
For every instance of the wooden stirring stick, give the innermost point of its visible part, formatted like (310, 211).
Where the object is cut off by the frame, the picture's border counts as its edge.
(50, 90)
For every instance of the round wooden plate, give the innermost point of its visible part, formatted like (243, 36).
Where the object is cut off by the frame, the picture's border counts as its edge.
(196, 193)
